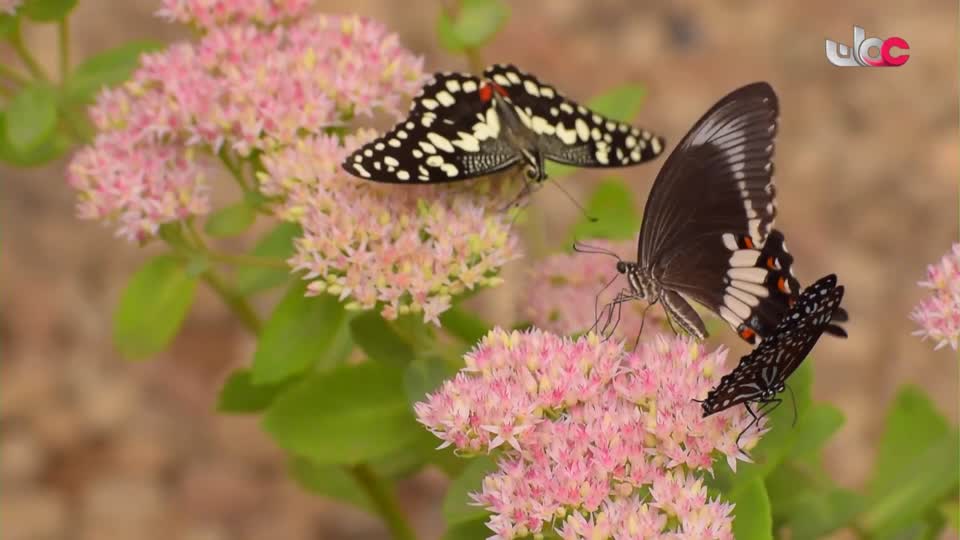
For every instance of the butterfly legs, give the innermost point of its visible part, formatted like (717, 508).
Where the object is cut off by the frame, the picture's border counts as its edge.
(766, 407)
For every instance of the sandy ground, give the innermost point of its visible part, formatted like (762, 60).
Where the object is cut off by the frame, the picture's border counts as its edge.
(867, 160)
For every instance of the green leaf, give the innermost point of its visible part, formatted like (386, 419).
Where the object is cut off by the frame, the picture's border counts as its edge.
(153, 307)
(913, 424)
(301, 332)
(277, 244)
(621, 103)
(49, 150)
(31, 118)
(475, 23)
(457, 507)
(950, 510)
(330, 481)
(613, 206)
(807, 502)
(913, 487)
(240, 395)
(47, 10)
(379, 340)
(815, 428)
(752, 520)
(8, 23)
(426, 374)
(230, 220)
(468, 530)
(349, 415)
(464, 325)
(108, 68)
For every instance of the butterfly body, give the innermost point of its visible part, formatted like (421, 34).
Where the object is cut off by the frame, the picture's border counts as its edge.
(462, 126)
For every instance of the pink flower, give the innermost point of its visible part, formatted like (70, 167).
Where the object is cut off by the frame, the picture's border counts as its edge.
(241, 88)
(408, 249)
(563, 290)
(939, 314)
(585, 428)
(137, 187)
(208, 13)
(9, 6)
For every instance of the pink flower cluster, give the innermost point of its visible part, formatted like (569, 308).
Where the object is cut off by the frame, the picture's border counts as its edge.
(240, 88)
(939, 314)
(563, 290)
(9, 6)
(209, 13)
(409, 249)
(595, 442)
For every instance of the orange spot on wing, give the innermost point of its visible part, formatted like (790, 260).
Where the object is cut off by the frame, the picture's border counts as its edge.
(782, 284)
(748, 242)
(771, 262)
(486, 92)
(500, 90)
(748, 334)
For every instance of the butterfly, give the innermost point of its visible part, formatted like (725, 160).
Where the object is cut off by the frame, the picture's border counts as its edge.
(762, 374)
(707, 229)
(461, 126)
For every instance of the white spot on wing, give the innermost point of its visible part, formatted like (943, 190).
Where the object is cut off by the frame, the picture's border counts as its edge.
(736, 306)
(440, 141)
(531, 88)
(501, 80)
(467, 142)
(547, 92)
(453, 85)
(359, 168)
(427, 147)
(583, 131)
(429, 104)
(730, 242)
(753, 275)
(744, 257)
(403, 175)
(469, 86)
(445, 98)
(514, 78)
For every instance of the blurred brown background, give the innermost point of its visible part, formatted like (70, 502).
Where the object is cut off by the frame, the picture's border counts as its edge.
(94, 447)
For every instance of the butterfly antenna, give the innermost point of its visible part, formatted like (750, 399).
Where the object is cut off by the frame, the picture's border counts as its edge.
(580, 247)
(574, 201)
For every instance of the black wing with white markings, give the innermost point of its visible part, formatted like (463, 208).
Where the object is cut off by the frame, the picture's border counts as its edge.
(569, 132)
(763, 372)
(451, 134)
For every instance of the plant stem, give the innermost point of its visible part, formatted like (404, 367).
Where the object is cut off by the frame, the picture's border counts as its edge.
(16, 40)
(384, 501)
(248, 260)
(235, 301)
(63, 28)
(14, 77)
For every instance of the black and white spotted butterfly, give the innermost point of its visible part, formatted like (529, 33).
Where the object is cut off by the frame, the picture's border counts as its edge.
(461, 126)
(707, 226)
(761, 375)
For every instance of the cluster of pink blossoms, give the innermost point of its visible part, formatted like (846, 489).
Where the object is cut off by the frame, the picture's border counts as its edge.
(242, 87)
(561, 285)
(409, 249)
(939, 314)
(586, 429)
(9, 7)
(208, 13)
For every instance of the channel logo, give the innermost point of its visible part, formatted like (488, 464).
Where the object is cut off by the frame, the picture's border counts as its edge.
(860, 54)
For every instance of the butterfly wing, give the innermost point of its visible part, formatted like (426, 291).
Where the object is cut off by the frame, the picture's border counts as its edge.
(778, 356)
(710, 211)
(450, 134)
(568, 132)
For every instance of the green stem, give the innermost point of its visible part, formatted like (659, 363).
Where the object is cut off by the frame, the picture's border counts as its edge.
(235, 301)
(234, 169)
(63, 31)
(384, 501)
(16, 40)
(13, 76)
(247, 260)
